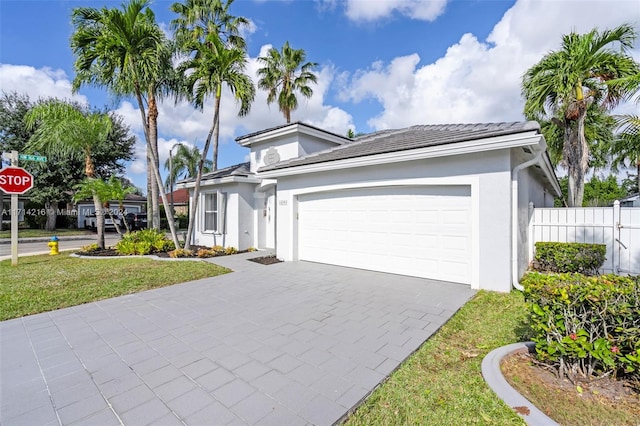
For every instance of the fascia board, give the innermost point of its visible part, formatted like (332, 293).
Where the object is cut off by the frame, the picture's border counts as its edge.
(220, 181)
(283, 131)
(460, 148)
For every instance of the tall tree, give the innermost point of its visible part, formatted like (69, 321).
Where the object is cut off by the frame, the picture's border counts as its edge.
(199, 18)
(284, 73)
(55, 179)
(210, 36)
(13, 133)
(184, 164)
(564, 84)
(127, 52)
(62, 129)
(627, 145)
(214, 66)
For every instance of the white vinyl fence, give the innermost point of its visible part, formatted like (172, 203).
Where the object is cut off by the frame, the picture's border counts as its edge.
(616, 227)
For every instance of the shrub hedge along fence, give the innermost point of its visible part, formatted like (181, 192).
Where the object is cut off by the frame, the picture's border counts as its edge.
(569, 257)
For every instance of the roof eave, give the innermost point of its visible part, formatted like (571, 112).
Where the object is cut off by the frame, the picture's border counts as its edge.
(247, 141)
(466, 147)
(220, 181)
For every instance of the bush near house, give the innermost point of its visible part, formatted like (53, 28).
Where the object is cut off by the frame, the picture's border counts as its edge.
(586, 326)
(216, 251)
(569, 257)
(145, 241)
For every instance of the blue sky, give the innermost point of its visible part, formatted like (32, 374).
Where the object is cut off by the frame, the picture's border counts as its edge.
(382, 63)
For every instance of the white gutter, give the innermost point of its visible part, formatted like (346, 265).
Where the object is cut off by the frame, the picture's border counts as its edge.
(540, 149)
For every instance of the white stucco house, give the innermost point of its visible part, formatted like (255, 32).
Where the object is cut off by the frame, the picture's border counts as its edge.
(446, 202)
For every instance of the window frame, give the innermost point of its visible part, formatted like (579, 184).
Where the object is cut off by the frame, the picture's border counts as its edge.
(218, 211)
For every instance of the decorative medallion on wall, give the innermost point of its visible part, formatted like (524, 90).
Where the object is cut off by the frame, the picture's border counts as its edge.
(271, 156)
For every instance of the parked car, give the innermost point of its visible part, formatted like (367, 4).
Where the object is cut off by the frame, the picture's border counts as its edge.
(136, 220)
(90, 222)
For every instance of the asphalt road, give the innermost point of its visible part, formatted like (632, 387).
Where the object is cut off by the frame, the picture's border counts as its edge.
(41, 246)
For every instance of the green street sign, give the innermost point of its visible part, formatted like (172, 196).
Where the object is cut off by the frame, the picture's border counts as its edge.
(27, 157)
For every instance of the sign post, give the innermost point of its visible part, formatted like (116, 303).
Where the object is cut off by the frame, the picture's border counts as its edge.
(15, 180)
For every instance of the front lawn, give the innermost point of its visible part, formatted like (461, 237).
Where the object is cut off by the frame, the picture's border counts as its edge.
(44, 283)
(441, 384)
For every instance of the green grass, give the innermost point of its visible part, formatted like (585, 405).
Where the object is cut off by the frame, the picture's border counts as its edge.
(27, 233)
(44, 283)
(442, 384)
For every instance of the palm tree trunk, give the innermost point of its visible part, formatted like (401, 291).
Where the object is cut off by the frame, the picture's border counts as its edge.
(156, 171)
(216, 135)
(153, 143)
(576, 153)
(150, 186)
(97, 203)
(196, 191)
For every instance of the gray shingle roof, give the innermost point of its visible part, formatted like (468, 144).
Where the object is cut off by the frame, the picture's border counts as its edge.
(413, 137)
(242, 169)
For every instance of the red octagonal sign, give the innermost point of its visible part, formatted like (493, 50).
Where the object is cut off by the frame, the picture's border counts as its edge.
(15, 180)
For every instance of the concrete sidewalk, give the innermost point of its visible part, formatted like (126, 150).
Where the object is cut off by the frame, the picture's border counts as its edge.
(291, 343)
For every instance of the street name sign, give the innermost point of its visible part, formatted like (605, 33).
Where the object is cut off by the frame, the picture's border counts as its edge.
(28, 157)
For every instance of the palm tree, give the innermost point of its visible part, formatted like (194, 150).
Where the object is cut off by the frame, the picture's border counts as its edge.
(127, 52)
(214, 66)
(106, 191)
(566, 82)
(62, 129)
(283, 75)
(199, 18)
(627, 145)
(184, 164)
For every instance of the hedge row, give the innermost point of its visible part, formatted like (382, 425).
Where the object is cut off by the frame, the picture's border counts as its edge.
(586, 325)
(569, 257)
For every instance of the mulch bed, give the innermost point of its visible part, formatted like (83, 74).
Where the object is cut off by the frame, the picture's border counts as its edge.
(266, 260)
(523, 371)
(112, 252)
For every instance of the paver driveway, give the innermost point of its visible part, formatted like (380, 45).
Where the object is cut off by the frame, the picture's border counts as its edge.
(291, 343)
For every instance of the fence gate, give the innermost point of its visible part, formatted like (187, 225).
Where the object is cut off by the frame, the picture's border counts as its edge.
(616, 227)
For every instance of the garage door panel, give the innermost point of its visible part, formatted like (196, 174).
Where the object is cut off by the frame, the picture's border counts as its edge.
(419, 231)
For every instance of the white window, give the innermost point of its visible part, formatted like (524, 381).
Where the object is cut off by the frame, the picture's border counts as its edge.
(213, 208)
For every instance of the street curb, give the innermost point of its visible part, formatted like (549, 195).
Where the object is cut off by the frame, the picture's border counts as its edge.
(493, 376)
(45, 239)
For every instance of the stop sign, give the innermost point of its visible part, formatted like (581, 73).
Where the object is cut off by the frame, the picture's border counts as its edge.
(15, 180)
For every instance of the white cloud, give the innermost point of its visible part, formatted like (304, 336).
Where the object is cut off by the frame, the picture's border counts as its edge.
(369, 11)
(37, 83)
(477, 81)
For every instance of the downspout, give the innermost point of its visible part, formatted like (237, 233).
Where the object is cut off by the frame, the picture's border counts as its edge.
(514, 214)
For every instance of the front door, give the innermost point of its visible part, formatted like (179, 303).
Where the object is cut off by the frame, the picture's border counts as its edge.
(267, 220)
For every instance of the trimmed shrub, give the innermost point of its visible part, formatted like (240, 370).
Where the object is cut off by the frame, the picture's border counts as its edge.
(586, 325)
(145, 241)
(216, 251)
(569, 257)
(180, 252)
(90, 248)
(205, 252)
